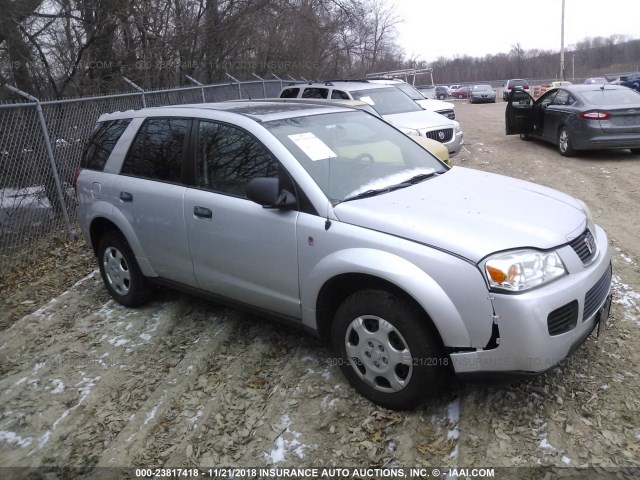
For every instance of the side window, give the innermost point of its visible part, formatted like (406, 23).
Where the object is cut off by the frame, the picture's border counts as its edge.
(339, 95)
(547, 98)
(103, 138)
(290, 93)
(313, 92)
(228, 157)
(157, 150)
(562, 98)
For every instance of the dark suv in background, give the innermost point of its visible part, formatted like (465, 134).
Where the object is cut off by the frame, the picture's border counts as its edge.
(511, 84)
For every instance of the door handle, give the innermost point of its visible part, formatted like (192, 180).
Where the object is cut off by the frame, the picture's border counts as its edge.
(126, 197)
(202, 212)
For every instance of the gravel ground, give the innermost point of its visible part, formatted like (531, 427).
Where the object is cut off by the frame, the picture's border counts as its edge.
(183, 382)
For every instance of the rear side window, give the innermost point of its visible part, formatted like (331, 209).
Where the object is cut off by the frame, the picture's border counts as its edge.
(315, 93)
(290, 93)
(103, 138)
(339, 95)
(158, 149)
(621, 96)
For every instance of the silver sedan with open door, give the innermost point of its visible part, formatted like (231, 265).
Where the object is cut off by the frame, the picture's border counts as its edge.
(578, 117)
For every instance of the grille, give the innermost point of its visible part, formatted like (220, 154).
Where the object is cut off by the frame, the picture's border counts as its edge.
(563, 319)
(441, 136)
(596, 296)
(581, 245)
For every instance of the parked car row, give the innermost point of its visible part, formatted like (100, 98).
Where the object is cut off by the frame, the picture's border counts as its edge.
(392, 103)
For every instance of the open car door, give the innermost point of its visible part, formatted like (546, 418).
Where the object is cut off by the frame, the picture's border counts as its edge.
(519, 113)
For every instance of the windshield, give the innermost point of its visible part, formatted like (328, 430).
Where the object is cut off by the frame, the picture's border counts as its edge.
(622, 96)
(481, 87)
(410, 91)
(349, 153)
(387, 101)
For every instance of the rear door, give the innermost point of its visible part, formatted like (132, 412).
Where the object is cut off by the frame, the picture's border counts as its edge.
(149, 192)
(519, 113)
(240, 250)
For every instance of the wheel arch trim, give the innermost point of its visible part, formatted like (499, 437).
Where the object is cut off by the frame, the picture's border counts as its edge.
(395, 270)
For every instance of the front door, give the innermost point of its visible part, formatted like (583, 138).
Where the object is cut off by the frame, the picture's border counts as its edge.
(240, 250)
(519, 113)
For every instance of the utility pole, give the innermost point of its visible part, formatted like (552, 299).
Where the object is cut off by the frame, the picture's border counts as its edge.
(562, 45)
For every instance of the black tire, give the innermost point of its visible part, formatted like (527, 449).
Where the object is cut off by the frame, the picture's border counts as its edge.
(441, 97)
(525, 137)
(461, 96)
(409, 353)
(120, 271)
(564, 143)
(635, 151)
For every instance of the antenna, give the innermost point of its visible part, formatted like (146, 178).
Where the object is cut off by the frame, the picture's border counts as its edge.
(327, 223)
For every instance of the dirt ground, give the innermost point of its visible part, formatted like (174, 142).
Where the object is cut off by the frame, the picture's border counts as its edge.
(85, 382)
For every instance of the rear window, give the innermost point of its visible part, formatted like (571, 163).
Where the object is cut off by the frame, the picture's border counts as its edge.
(315, 93)
(518, 83)
(624, 96)
(103, 138)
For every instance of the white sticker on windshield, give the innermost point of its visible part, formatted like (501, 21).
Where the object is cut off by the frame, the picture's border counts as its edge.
(368, 100)
(312, 146)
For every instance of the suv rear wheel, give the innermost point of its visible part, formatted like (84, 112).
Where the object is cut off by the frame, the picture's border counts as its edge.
(388, 349)
(120, 271)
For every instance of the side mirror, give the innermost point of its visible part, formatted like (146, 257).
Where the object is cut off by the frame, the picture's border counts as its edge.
(266, 191)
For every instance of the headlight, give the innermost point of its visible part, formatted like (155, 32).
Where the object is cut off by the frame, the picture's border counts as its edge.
(410, 131)
(523, 269)
(587, 212)
(457, 126)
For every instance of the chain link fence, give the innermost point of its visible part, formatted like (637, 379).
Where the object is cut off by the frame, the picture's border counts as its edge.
(41, 143)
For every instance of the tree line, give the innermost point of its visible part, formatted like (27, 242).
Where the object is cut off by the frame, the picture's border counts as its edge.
(60, 48)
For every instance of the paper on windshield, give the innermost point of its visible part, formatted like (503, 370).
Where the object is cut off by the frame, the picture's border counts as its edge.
(368, 100)
(312, 146)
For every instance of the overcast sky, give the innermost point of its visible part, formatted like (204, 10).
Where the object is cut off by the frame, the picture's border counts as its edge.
(477, 27)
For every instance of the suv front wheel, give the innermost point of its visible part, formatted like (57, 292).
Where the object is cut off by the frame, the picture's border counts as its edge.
(388, 349)
(120, 271)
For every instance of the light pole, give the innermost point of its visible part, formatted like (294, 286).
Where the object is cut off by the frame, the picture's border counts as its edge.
(562, 45)
(573, 68)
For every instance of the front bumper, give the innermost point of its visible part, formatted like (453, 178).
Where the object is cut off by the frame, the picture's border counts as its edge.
(525, 345)
(455, 144)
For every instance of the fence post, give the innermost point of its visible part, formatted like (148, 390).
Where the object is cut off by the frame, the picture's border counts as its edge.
(239, 87)
(279, 79)
(197, 83)
(264, 87)
(52, 160)
(144, 104)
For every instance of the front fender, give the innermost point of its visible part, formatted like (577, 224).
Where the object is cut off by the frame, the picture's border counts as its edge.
(396, 270)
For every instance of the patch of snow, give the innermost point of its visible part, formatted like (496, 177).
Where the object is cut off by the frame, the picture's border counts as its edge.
(566, 460)
(12, 438)
(283, 445)
(151, 414)
(21, 381)
(326, 374)
(58, 386)
(326, 403)
(38, 366)
(545, 445)
(44, 439)
(192, 421)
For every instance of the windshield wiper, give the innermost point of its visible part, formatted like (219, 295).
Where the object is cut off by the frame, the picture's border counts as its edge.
(377, 191)
(421, 177)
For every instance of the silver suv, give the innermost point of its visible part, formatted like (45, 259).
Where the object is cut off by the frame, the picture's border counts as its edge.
(330, 219)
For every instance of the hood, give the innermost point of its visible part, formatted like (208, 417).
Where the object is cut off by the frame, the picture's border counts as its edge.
(434, 105)
(419, 120)
(471, 213)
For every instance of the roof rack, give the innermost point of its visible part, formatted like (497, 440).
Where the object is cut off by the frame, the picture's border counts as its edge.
(406, 73)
